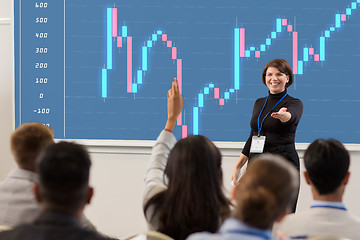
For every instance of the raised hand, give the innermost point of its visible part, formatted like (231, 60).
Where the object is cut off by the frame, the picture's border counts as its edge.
(174, 105)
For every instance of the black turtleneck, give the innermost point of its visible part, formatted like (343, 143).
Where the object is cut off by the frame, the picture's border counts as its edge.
(276, 132)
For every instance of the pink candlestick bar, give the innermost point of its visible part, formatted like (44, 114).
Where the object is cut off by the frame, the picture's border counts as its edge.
(129, 64)
(343, 17)
(257, 54)
(169, 43)
(179, 73)
(179, 119)
(179, 80)
(119, 41)
(316, 57)
(284, 22)
(242, 42)
(221, 101)
(289, 28)
(311, 51)
(295, 52)
(114, 22)
(164, 37)
(216, 93)
(173, 53)
(184, 131)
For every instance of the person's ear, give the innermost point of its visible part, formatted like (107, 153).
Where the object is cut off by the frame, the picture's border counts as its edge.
(90, 194)
(307, 178)
(37, 192)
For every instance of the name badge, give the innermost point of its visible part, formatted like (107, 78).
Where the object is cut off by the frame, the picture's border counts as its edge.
(257, 144)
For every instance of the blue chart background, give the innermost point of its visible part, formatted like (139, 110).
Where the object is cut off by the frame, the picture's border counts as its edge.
(203, 32)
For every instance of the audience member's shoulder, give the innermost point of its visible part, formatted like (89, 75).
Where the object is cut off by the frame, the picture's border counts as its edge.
(29, 232)
(313, 222)
(355, 218)
(293, 222)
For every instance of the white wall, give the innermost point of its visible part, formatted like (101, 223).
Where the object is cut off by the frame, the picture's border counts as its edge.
(6, 84)
(118, 177)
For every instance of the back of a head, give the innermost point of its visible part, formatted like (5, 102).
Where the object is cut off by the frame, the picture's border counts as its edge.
(194, 199)
(194, 162)
(28, 141)
(327, 163)
(64, 176)
(266, 191)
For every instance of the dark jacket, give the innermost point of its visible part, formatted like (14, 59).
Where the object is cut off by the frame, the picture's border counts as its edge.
(51, 225)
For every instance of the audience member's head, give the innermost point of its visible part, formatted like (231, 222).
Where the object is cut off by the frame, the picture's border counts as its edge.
(327, 164)
(64, 178)
(28, 141)
(194, 200)
(195, 162)
(266, 192)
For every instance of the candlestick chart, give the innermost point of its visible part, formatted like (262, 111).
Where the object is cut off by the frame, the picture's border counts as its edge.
(101, 69)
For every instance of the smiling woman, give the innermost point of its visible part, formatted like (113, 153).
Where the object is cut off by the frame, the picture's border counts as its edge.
(275, 118)
(276, 80)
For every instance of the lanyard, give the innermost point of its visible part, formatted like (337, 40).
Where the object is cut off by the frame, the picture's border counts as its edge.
(261, 125)
(329, 206)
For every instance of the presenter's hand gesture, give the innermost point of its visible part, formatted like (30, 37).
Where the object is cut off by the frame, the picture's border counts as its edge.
(174, 105)
(283, 115)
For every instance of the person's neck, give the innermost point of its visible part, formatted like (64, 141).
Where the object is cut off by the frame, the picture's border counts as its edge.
(330, 197)
(279, 94)
(49, 207)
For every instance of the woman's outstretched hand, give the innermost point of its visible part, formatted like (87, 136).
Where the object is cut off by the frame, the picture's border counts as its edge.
(174, 105)
(283, 115)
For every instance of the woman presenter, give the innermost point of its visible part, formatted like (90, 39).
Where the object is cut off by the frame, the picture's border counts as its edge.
(274, 119)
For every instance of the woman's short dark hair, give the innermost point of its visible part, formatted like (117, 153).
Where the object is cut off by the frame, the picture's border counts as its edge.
(283, 66)
(327, 163)
(267, 190)
(194, 200)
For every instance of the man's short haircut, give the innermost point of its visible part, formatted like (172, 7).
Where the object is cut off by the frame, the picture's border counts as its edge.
(327, 163)
(64, 176)
(28, 141)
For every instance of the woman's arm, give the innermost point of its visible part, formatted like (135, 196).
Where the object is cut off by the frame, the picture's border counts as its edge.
(292, 112)
(237, 169)
(165, 142)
